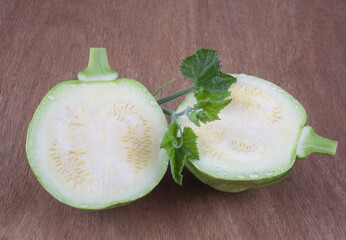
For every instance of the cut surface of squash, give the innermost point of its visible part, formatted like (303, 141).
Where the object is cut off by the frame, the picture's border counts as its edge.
(256, 136)
(94, 145)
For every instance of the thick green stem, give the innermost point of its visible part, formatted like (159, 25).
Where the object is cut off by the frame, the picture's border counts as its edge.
(310, 142)
(98, 68)
(175, 95)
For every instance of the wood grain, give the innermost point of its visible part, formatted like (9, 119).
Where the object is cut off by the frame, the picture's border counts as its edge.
(299, 45)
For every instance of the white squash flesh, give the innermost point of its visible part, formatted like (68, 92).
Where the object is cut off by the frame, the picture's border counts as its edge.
(94, 145)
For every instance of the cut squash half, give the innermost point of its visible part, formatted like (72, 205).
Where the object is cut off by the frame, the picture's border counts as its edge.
(255, 142)
(95, 144)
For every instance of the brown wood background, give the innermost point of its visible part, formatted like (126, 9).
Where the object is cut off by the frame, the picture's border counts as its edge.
(299, 45)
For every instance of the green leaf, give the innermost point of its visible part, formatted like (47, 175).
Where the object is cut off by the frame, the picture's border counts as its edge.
(218, 84)
(215, 96)
(204, 70)
(193, 118)
(208, 111)
(211, 85)
(168, 138)
(203, 64)
(189, 146)
(179, 147)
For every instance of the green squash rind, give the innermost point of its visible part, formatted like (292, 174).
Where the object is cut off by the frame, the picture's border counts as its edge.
(226, 185)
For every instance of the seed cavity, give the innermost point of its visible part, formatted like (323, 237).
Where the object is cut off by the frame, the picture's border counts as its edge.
(208, 134)
(69, 157)
(138, 137)
(253, 98)
(69, 166)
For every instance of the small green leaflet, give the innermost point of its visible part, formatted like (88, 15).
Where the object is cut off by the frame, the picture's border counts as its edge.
(207, 111)
(179, 145)
(211, 85)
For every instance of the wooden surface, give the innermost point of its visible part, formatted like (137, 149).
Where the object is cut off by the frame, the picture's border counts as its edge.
(299, 45)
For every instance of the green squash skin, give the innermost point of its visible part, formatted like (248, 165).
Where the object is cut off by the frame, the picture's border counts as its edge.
(235, 185)
(29, 148)
(226, 185)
